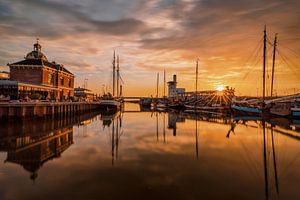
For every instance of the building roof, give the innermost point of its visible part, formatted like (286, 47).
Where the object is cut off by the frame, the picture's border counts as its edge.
(36, 57)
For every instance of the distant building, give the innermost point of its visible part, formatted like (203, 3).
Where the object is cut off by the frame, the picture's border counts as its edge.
(4, 75)
(35, 74)
(173, 91)
(83, 94)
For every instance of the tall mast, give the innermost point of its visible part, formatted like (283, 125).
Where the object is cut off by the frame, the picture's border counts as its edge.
(114, 70)
(273, 65)
(118, 76)
(164, 83)
(264, 63)
(157, 83)
(197, 79)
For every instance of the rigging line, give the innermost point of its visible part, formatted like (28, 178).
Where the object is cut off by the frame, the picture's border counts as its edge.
(291, 62)
(252, 55)
(251, 161)
(296, 53)
(288, 65)
(252, 69)
(285, 170)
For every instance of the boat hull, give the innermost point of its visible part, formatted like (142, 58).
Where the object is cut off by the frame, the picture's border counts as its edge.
(107, 105)
(246, 110)
(295, 113)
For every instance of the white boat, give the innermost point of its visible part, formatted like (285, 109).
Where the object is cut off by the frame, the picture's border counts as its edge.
(109, 104)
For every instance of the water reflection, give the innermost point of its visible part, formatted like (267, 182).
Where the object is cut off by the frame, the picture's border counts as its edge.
(149, 155)
(32, 143)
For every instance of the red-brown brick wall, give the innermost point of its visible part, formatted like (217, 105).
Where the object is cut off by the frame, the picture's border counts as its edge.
(26, 74)
(66, 81)
(46, 77)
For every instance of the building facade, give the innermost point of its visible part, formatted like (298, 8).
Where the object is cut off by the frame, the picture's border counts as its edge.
(35, 74)
(83, 94)
(173, 91)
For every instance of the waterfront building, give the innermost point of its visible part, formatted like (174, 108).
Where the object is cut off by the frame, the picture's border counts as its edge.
(83, 94)
(4, 75)
(173, 91)
(35, 74)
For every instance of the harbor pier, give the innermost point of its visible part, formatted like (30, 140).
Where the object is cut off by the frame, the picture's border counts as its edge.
(45, 109)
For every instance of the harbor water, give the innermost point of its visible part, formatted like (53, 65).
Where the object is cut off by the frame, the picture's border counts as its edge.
(149, 155)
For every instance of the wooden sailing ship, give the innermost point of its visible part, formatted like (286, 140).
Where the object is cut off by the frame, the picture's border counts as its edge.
(113, 101)
(287, 106)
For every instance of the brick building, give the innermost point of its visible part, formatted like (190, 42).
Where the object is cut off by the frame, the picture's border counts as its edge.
(35, 74)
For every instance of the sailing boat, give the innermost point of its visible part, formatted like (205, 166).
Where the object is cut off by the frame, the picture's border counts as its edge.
(288, 106)
(110, 101)
(254, 106)
(162, 103)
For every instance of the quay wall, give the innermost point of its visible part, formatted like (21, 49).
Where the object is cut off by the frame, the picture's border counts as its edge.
(45, 109)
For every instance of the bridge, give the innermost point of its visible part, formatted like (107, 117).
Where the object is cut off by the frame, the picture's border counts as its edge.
(135, 99)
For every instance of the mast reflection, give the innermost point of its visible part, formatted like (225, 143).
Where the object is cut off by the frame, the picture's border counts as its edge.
(114, 119)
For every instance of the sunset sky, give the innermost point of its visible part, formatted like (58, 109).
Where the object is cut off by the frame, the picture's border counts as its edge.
(153, 35)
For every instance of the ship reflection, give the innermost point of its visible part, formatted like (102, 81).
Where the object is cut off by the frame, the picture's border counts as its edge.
(113, 123)
(269, 127)
(33, 143)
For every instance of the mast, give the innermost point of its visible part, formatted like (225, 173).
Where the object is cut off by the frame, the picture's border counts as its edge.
(197, 79)
(118, 76)
(164, 83)
(157, 83)
(114, 70)
(164, 132)
(264, 64)
(273, 65)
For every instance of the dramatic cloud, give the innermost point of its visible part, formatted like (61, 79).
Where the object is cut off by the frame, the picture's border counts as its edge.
(155, 35)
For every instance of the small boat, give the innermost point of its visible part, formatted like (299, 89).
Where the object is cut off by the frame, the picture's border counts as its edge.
(295, 112)
(146, 102)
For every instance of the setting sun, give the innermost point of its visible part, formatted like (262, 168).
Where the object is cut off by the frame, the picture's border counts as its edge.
(220, 88)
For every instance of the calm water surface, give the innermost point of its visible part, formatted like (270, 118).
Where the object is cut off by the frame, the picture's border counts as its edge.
(149, 155)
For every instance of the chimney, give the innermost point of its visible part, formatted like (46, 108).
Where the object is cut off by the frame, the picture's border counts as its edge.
(174, 78)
